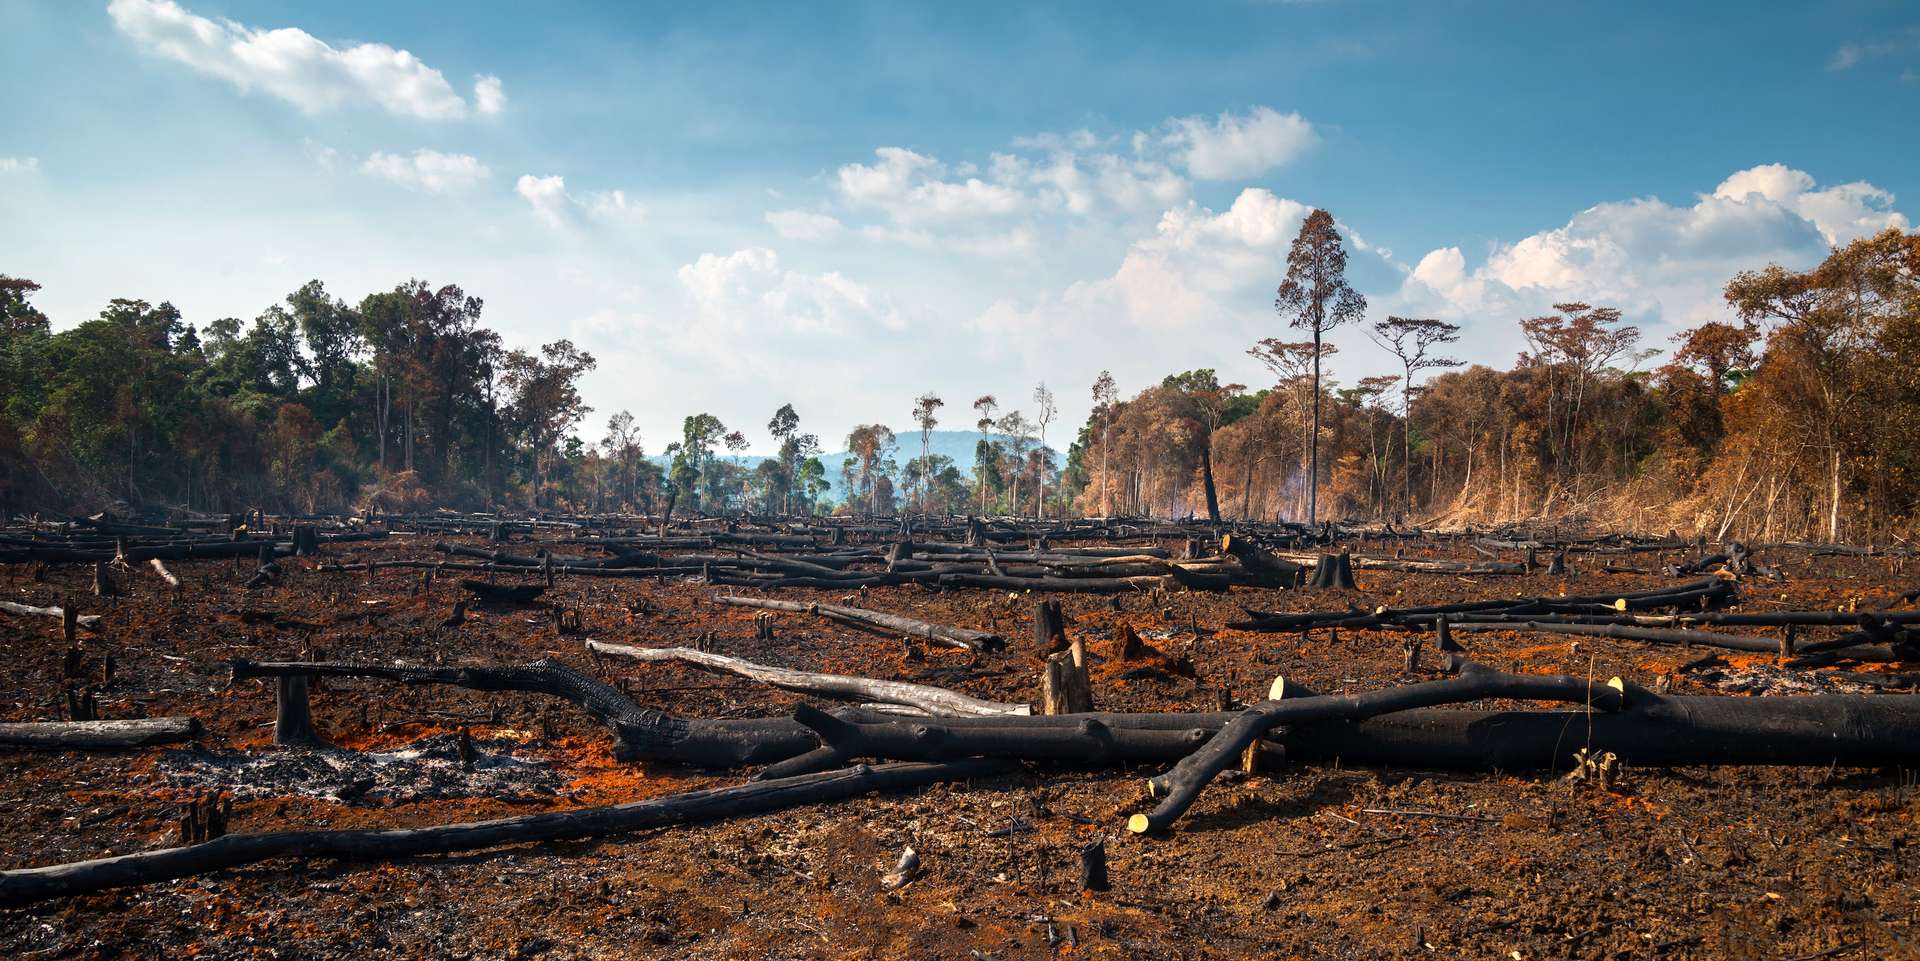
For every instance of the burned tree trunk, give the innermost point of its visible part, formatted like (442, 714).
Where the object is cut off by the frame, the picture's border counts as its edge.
(1334, 571)
(1049, 627)
(293, 714)
(1182, 785)
(306, 540)
(643, 733)
(98, 735)
(1064, 685)
(29, 885)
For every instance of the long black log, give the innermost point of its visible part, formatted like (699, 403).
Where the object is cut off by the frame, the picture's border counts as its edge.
(1857, 646)
(643, 733)
(1654, 731)
(1712, 592)
(1180, 787)
(29, 885)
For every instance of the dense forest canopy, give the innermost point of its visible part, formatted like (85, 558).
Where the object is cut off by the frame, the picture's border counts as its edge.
(1793, 417)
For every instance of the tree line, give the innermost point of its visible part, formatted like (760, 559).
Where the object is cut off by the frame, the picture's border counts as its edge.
(1795, 417)
(1792, 418)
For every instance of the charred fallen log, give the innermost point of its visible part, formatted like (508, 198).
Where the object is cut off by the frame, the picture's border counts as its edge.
(1182, 785)
(98, 735)
(627, 573)
(29, 885)
(1704, 595)
(642, 733)
(137, 554)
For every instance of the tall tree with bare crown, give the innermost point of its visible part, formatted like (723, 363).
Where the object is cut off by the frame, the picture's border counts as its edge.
(1316, 297)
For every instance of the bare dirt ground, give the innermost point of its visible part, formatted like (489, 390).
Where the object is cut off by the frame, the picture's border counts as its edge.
(1691, 863)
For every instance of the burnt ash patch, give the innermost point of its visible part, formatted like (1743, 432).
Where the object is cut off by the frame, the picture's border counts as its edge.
(429, 769)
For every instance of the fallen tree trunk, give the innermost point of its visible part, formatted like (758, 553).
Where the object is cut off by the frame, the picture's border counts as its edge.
(133, 555)
(1628, 632)
(85, 620)
(1087, 585)
(1710, 593)
(1654, 731)
(1857, 646)
(614, 572)
(881, 621)
(98, 735)
(643, 734)
(1180, 787)
(29, 885)
(932, 700)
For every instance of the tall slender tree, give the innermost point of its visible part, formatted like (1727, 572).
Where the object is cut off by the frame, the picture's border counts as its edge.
(1043, 403)
(983, 452)
(925, 408)
(1292, 364)
(783, 426)
(1316, 297)
(1105, 394)
(1411, 339)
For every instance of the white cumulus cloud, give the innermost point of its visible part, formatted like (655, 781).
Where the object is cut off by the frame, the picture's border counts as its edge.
(296, 66)
(910, 188)
(16, 165)
(488, 95)
(428, 170)
(1228, 147)
(1654, 259)
(1197, 266)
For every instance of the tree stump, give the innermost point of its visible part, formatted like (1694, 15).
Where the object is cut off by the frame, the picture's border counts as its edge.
(1064, 685)
(1049, 627)
(1093, 865)
(1334, 571)
(293, 719)
(306, 540)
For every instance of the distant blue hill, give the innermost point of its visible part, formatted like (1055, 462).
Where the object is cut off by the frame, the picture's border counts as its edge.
(956, 445)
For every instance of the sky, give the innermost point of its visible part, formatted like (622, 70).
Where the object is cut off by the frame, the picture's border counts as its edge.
(844, 205)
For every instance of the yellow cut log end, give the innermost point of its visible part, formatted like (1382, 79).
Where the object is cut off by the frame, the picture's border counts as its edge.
(1278, 688)
(1138, 824)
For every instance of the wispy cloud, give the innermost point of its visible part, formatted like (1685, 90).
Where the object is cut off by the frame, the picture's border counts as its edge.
(556, 207)
(1851, 55)
(295, 66)
(427, 170)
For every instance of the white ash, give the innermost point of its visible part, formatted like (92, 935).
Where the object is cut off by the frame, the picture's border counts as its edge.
(425, 770)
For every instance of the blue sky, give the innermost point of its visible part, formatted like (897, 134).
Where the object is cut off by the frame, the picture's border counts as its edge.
(843, 205)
